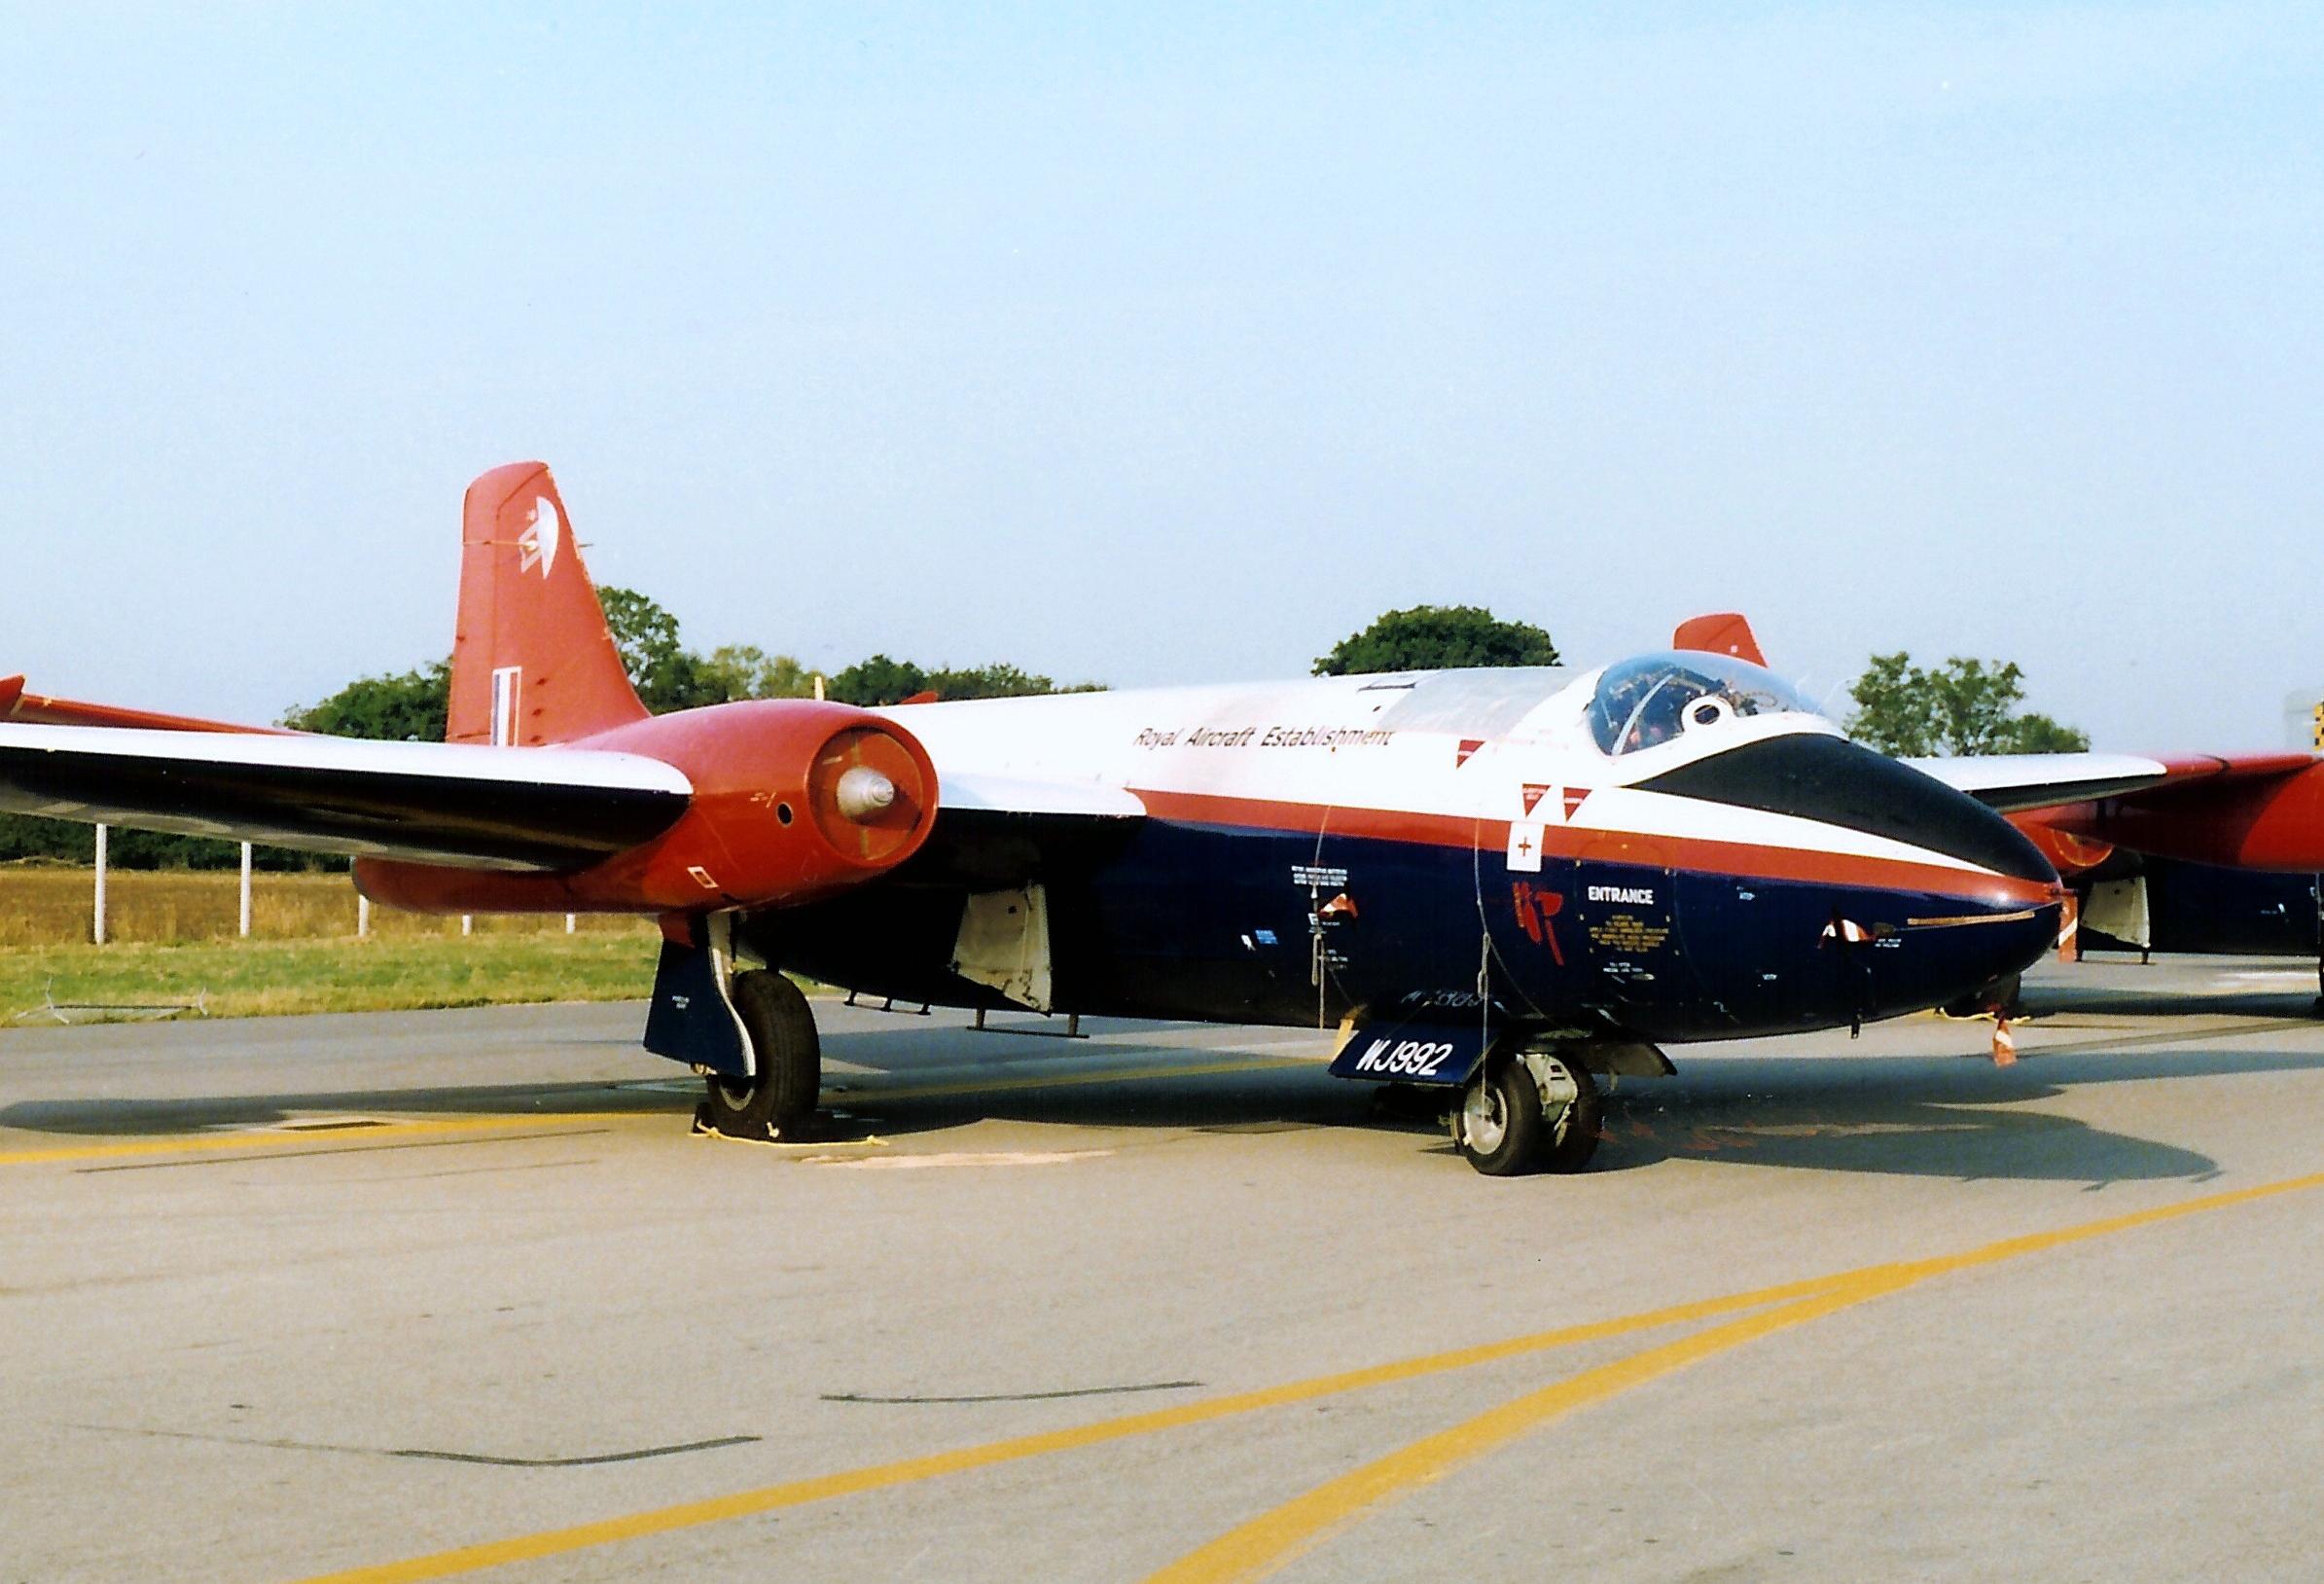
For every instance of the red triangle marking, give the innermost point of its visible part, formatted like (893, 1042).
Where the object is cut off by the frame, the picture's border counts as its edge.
(1534, 792)
(1573, 798)
(1468, 746)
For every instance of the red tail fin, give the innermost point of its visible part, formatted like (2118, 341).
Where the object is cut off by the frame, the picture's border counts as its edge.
(532, 662)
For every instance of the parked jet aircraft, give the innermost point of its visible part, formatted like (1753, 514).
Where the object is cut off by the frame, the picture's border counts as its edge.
(1499, 882)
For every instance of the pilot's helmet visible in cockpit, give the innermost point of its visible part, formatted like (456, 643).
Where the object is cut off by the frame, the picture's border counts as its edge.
(1651, 699)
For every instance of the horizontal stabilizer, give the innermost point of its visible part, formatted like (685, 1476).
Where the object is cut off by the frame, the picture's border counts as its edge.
(511, 808)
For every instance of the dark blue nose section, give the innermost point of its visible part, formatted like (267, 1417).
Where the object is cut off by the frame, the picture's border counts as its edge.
(1814, 944)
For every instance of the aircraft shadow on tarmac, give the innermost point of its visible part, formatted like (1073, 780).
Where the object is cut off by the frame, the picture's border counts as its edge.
(1962, 1120)
(331, 1110)
(1953, 1118)
(2133, 1001)
(1938, 1117)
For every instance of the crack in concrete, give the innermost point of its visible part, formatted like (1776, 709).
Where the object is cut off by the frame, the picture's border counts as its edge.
(423, 1453)
(1020, 1396)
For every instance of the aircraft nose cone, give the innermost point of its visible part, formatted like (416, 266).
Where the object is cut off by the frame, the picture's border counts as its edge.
(1838, 783)
(864, 794)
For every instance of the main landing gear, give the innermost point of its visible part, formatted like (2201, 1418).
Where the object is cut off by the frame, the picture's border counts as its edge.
(1529, 1111)
(777, 1101)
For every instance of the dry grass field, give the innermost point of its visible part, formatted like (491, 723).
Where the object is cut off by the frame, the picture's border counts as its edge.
(245, 979)
(171, 938)
(51, 906)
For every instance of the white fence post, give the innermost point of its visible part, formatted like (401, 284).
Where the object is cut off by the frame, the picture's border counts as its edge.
(245, 891)
(468, 923)
(568, 924)
(363, 916)
(101, 899)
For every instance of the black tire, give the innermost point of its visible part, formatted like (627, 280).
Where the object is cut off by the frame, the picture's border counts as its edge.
(1498, 1127)
(1500, 1131)
(1574, 1140)
(790, 1059)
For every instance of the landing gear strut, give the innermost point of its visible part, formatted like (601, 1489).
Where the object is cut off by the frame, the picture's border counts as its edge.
(1529, 1111)
(776, 1101)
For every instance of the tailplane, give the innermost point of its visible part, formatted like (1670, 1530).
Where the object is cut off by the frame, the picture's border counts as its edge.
(532, 662)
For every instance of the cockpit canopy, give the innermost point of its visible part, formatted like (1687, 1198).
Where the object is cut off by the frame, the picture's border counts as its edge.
(1651, 699)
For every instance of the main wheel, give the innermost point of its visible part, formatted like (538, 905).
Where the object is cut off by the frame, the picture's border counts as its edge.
(1498, 1125)
(790, 1059)
(1573, 1136)
(1504, 1129)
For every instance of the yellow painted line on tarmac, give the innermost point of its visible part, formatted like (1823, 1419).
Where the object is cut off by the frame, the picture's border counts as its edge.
(295, 1138)
(1277, 1537)
(1273, 1539)
(880, 1476)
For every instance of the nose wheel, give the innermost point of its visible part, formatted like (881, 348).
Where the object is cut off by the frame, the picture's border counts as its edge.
(1529, 1111)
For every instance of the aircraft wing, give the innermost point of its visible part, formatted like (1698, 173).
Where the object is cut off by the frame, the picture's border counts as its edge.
(994, 831)
(472, 805)
(506, 809)
(967, 792)
(40, 710)
(2014, 783)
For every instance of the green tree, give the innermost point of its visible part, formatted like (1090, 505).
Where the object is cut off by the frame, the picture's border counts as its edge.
(1963, 706)
(1435, 638)
(666, 674)
(2032, 733)
(742, 671)
(27, 836)
(405, 707)
(879, 680)
(1000, 680)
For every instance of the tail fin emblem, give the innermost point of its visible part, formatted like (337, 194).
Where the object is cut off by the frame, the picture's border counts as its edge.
(538, 540)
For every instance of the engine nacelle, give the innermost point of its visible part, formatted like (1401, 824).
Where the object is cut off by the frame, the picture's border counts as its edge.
(794, 800)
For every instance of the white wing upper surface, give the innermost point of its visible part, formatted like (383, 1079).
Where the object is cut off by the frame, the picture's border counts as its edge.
(513, 809)
(2012, 782)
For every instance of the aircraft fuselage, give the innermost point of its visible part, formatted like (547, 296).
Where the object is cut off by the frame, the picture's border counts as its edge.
(1345, 846)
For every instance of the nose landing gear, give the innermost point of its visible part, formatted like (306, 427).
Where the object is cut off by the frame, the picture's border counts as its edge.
(1529, 1111)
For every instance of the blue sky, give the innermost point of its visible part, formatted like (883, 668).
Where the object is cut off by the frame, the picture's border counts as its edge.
(1173, 347)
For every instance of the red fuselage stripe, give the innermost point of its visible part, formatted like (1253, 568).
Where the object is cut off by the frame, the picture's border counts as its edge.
(1743, 860)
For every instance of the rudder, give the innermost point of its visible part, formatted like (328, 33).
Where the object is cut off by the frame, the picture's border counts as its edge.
(532, 661)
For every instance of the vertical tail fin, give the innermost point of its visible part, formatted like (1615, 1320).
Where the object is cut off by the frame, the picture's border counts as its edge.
(532, 662)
